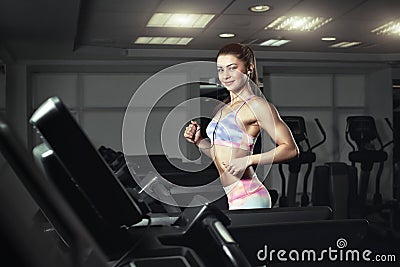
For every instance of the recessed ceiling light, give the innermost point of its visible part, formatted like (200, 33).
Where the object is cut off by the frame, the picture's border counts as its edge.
(163, 40)
(179, 20)
(345, 44)
(259, 8)
(226, 35)
(274, 42)
(328, 38)
(296, 23)
(390, 28)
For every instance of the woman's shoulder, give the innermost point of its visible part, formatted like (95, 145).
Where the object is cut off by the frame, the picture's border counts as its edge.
(258, 101)
(260, 105)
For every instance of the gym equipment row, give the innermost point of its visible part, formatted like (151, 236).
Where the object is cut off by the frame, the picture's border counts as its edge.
(337, 184)
(97, 221)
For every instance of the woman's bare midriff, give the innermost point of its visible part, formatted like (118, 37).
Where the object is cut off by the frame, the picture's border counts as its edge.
(225, 154)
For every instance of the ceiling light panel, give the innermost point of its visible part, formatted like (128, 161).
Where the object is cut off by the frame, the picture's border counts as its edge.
(164, 40)
(180, 20)
(296, 23)
(390, 28)
(274, 42)
(345, 44)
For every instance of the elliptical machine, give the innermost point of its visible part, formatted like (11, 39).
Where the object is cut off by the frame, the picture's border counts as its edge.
(362, 131)
(336, 184)
(369, 150)
(307, 157)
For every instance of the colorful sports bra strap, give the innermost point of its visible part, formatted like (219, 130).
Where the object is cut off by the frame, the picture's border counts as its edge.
(244, 102)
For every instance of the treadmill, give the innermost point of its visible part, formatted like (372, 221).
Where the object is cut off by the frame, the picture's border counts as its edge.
(190, 230)
(82, 176)
(24, 243)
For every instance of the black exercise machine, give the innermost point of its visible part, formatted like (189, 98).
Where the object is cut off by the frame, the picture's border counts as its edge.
(82, 250)
(142, 175)
(362, 131)
(369, 150)
(29, 244)
(119, 211)
(337, 184)
(189, 234)
(307, 157)
(110, 238)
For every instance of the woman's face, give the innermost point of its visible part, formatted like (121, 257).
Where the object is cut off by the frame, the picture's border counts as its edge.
(231, 72)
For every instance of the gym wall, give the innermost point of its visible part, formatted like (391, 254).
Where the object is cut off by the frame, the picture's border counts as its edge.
(331, 95)
(8, 179)
(99, 101)
(97, 94)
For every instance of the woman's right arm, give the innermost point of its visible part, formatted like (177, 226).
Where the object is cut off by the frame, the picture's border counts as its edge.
(193, 135)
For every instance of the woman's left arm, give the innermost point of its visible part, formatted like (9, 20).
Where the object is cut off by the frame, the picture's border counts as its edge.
(268, 119)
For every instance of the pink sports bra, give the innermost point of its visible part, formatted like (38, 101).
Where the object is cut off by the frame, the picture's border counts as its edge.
(227, 132)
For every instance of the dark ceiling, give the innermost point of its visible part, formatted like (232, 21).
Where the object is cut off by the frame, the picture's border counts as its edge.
(60, 29)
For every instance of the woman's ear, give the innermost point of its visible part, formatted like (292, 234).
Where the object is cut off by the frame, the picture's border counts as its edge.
(251, 67)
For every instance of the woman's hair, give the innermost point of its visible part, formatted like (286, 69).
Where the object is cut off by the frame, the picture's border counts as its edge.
(243, 53)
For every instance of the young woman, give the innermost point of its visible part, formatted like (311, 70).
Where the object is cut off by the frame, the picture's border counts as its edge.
(235, 127)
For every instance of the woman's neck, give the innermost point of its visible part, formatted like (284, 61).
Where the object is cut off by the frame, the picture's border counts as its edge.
(239, 96)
